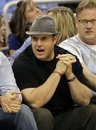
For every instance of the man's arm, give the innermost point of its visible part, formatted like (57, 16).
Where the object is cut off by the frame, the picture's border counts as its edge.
(80, 93)
(89, 76)
(75, 49)
(39, 96)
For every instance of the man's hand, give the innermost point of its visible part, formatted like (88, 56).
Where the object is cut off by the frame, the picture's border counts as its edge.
(61, 67)
(10, 102)
(67, 60)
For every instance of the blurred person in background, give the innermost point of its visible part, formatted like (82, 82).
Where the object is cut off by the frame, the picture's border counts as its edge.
(83, 45)
(65, 22)
(20, 22)
(13, 114)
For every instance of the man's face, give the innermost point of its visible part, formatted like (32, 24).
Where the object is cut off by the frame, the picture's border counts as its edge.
(86, 25)
(43, 46)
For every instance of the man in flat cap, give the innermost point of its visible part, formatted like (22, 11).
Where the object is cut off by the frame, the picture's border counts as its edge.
(52, 82)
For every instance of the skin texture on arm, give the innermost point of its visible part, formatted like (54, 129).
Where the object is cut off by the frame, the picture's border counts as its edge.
(37, 97)
(79, 96)
(89, 76)
(77, 89)
(76, 51)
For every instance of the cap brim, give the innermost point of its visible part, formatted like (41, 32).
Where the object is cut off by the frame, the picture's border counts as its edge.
(38, 32)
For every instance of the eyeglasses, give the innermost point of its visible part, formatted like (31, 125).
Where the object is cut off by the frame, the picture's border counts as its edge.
(85, 21)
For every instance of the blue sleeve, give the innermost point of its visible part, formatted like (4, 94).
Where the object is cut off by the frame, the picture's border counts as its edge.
(27, 43)
(14, 44)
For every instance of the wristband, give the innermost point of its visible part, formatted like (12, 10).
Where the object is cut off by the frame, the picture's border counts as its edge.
(71, 80)
(55, 71)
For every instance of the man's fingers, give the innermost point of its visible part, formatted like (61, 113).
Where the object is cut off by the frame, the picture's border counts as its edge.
(69, 62)
(15, 105)
(15, 110)
(65, 56)
(6, 108)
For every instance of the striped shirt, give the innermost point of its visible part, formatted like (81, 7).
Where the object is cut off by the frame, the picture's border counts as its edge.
(84, 52)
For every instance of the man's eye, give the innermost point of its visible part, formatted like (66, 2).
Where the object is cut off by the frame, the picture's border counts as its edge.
(35, 39)
(84, 21)
(44, 38)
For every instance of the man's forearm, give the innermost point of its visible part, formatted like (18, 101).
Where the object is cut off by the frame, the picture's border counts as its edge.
(39, 96)
(80, 93)
(89, 76)
(92, 80)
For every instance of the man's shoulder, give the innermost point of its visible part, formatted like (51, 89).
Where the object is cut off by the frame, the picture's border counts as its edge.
(24, 57)
(70, 44)
(61, 50)
(71, 40)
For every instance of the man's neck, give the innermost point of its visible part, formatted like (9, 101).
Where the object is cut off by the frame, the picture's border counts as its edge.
(91, 42)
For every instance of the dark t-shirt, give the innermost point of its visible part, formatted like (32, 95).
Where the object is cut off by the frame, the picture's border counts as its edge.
(31, 72)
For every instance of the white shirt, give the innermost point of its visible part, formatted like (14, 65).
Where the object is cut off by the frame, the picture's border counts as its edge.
(7, 80)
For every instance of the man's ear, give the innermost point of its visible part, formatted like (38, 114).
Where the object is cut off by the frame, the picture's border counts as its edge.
(56, 39)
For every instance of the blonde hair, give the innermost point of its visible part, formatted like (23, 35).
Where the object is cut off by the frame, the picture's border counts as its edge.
(85, 4)
(65, 22)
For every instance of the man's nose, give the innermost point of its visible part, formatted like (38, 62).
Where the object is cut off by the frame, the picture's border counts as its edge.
(89, 24)
(39, 42)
